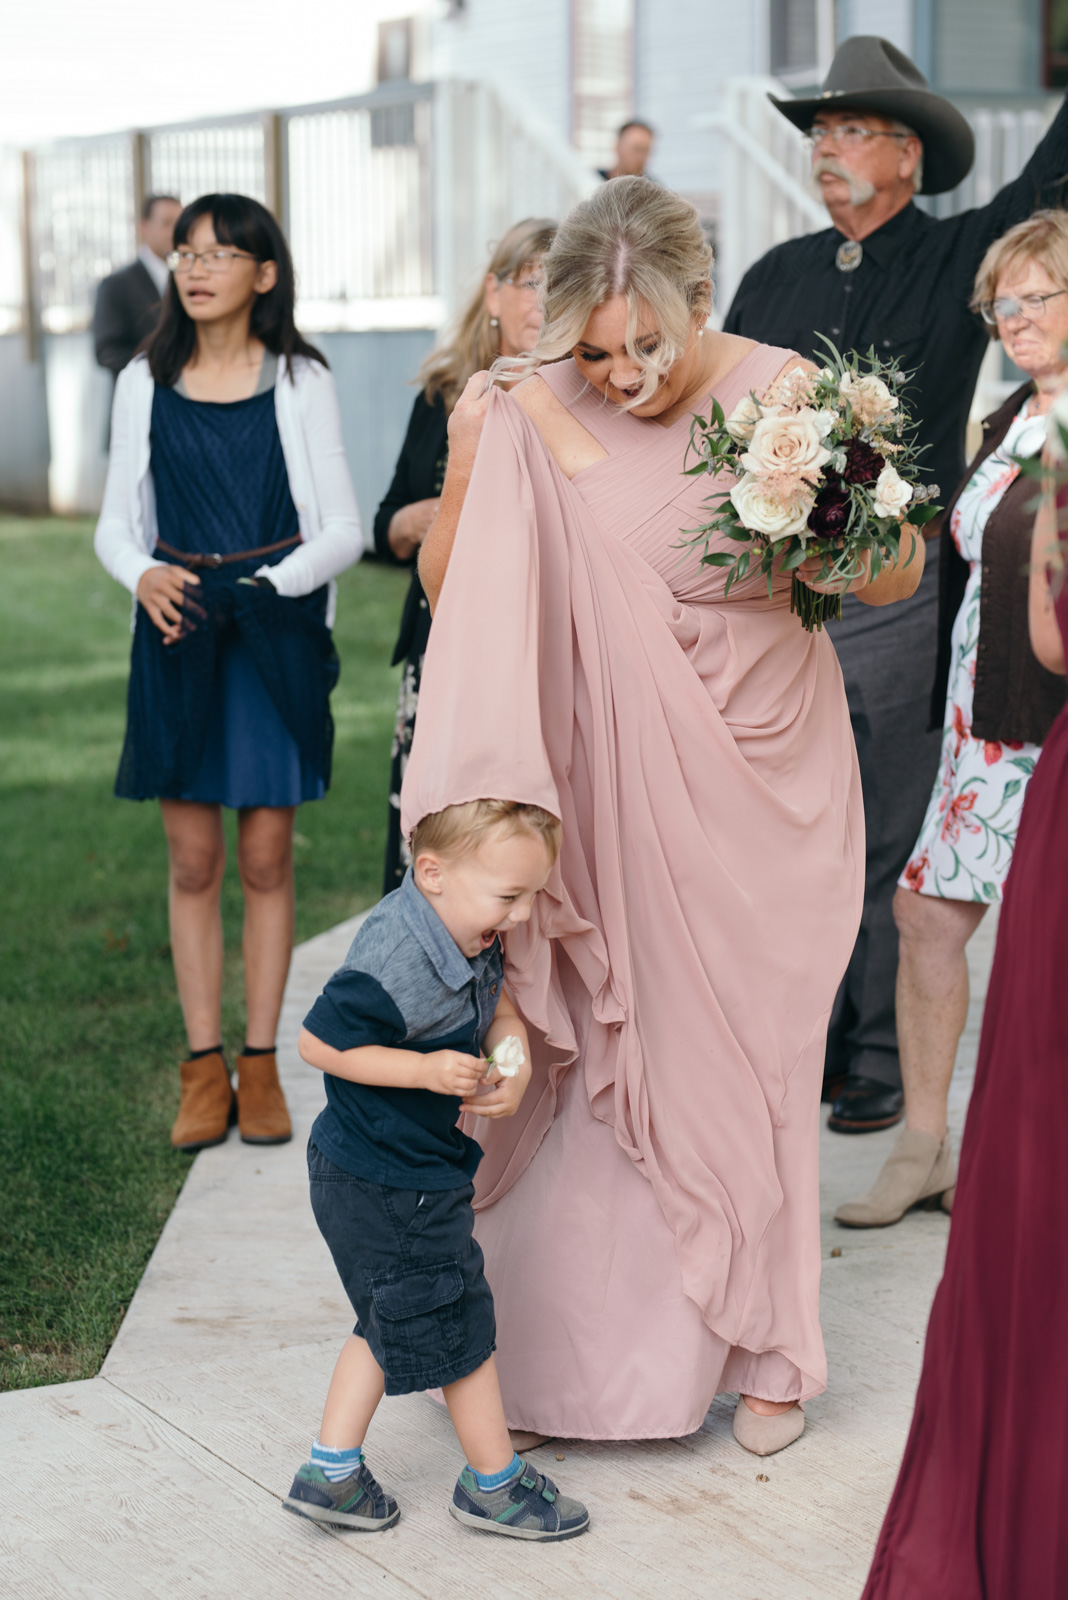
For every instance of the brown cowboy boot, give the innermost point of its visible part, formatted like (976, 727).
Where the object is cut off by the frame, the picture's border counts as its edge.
(207, 1107)
(262, 1117)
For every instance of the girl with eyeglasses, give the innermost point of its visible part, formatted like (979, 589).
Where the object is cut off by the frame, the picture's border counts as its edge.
(228, 512)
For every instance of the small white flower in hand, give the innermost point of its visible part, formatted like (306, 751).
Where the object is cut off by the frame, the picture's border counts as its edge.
(892, 493)
(507, 1057)
(826, 421)
(786, 444)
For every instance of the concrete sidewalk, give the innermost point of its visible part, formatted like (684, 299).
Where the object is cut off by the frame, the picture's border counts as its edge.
(163, 1476)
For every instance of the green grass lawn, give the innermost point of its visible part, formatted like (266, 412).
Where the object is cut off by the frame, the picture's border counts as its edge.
(90, 1029)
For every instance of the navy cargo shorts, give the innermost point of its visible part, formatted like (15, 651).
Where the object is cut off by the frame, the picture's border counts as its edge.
(410, 1265)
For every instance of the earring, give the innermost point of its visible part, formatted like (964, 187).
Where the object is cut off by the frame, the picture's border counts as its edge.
(493, 322)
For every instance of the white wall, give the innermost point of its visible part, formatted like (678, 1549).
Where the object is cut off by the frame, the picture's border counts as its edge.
(513, 43)
(680, 64)
(889, 19)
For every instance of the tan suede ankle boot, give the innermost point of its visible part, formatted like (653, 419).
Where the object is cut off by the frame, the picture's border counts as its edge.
(262, 1117)
(919, 1168)
(207, 1106)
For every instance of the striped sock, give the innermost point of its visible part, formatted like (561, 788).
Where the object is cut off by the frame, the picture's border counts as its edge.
(496, 1480)
(336, 1464)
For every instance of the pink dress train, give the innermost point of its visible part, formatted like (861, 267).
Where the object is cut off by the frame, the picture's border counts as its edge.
(650, 1217)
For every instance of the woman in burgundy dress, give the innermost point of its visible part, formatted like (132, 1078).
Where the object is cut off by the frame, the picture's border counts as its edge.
(979, 1508)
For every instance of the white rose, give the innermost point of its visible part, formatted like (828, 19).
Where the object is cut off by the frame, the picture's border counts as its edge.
(871, 400)
(788, 443)
(508, 1057)
(744, 418)
(892, 493)
(762, 510)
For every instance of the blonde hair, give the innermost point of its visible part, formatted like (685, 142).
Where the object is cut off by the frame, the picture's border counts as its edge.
(458, 831)
(469, 344)
(631, 237)
(1042, 238)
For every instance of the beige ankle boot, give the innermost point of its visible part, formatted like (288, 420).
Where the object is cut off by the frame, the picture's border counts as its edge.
(918, 1168)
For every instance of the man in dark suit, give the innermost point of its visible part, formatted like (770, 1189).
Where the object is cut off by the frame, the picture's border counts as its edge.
(128, 302)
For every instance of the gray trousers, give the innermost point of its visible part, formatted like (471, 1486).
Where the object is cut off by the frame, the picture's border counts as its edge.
(888, 662)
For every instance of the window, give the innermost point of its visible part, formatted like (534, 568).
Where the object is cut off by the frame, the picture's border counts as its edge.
(394, 49)
(602, 75)
(793, 37)
(1056, 43)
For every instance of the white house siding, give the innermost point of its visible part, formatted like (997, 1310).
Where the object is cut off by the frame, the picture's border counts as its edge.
(517, 46)
(889, 19)
(985, 46)
(680, 63)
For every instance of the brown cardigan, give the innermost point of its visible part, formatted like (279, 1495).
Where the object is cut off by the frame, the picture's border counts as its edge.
(1016, 699)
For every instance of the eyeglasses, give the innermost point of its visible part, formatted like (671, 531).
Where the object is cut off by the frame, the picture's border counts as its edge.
(214, 260)
(1032, 306)
(850, 134)
(525, 285)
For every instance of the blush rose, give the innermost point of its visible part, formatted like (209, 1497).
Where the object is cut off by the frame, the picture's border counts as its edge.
(789, 443)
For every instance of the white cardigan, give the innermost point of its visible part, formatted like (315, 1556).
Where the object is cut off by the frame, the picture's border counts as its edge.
(309, 424)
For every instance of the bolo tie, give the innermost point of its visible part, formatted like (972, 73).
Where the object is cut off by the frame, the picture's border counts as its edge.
(849, 255)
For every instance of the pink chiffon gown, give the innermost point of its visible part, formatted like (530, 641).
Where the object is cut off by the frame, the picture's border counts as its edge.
(650, 1217)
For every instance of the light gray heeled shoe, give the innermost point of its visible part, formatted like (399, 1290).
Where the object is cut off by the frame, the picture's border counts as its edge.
(523, 1440)
(919, 1168)
(765, 1436)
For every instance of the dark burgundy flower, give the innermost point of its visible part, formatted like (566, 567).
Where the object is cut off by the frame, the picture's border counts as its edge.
(863, 463)
(830, 515)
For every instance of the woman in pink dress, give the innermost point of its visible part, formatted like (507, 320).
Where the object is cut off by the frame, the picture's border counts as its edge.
(650, 1217)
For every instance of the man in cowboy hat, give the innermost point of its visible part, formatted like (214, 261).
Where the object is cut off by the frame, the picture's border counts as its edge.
(886, 274)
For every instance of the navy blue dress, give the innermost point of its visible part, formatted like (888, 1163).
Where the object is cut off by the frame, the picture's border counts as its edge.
(236, 712)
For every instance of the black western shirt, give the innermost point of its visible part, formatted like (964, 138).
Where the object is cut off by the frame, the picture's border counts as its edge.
(908, 298)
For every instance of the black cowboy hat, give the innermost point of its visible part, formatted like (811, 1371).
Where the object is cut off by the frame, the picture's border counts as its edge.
(871, 74)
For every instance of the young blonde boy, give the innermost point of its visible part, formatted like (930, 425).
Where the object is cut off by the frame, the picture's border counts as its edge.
(401, 1031)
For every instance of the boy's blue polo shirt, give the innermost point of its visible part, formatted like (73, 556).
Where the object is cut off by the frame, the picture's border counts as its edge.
(406, 984)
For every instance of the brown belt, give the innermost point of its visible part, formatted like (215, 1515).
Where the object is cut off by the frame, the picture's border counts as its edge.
(189, 559)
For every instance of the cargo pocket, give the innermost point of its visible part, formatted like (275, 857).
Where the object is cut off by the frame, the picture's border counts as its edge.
(419, 1320)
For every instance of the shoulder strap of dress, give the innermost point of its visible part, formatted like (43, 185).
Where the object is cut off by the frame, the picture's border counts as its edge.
(564, 379)
(756, 370)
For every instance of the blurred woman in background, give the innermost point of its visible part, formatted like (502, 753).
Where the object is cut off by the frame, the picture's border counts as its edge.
(502, 318)
(228, 512)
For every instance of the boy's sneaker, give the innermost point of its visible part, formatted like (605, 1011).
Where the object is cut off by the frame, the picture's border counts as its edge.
(528, 1506)
(358, 1501)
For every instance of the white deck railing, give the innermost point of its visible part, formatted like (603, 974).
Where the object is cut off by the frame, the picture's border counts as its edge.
(390, 200)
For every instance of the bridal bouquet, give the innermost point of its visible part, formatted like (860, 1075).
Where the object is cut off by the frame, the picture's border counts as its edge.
(824, 464)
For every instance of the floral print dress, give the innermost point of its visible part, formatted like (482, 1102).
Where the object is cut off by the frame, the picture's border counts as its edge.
(965, 844)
